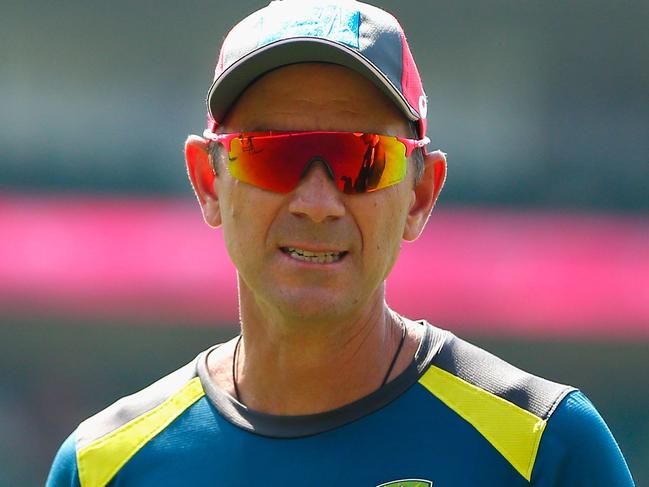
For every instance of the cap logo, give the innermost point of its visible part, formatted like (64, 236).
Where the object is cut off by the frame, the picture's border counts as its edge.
(423, 106)
(334, 22)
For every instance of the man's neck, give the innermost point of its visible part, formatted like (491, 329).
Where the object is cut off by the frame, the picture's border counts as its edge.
(290, 368)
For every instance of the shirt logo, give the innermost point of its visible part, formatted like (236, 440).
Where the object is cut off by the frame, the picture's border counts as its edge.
(408, 483)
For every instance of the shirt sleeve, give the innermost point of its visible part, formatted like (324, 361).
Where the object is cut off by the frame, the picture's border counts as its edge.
(64, 468)
(578, 450)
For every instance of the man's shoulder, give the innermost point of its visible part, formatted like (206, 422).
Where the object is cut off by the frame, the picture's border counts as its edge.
(129, 408)
(509, 407)
(473, 368)
(548, 431)
(103, 443)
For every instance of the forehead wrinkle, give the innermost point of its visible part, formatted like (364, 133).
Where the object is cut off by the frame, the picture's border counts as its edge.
(313, 107)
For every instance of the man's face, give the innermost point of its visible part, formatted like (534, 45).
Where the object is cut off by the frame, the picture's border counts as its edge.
(315, 253)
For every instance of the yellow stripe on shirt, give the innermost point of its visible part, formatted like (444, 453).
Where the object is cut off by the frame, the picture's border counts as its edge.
(513, 431)
(103, 458)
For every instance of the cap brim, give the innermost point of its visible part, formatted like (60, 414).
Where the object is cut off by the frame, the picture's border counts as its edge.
(227, 87)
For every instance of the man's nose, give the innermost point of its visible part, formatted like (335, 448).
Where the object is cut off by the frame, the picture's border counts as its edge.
(317, 196)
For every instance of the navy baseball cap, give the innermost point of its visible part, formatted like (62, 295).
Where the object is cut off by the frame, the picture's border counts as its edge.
(345, 32)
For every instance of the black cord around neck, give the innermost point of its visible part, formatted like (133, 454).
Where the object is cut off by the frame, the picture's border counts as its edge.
(385, 379)
(396, 354)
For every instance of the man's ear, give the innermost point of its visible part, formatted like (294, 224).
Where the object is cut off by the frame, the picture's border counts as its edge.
(202, 176)
(425, 192)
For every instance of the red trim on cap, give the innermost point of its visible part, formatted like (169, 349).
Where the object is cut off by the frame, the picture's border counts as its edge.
(411, 85)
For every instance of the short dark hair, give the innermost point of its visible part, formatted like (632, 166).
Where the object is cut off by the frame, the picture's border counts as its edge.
(214, 153)
(417, 155)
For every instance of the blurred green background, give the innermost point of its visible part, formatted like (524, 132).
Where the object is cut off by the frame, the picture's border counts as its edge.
(539, 105)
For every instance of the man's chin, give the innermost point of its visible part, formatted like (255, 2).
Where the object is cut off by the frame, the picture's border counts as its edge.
(313, 307)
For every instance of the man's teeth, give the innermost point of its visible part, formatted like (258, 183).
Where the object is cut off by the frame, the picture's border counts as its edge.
(316, 257)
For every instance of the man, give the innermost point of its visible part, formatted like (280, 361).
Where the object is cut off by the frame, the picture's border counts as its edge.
(314, 165)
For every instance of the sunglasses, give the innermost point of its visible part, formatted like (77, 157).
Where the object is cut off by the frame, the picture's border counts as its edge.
(357, 162)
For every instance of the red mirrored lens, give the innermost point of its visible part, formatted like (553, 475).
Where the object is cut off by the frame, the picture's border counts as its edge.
(357, 162)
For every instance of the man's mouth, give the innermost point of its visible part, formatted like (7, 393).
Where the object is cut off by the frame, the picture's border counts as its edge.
(314, 257)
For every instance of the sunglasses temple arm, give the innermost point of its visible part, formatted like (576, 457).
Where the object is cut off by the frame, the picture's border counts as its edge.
(412, 144)
(224, 139)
